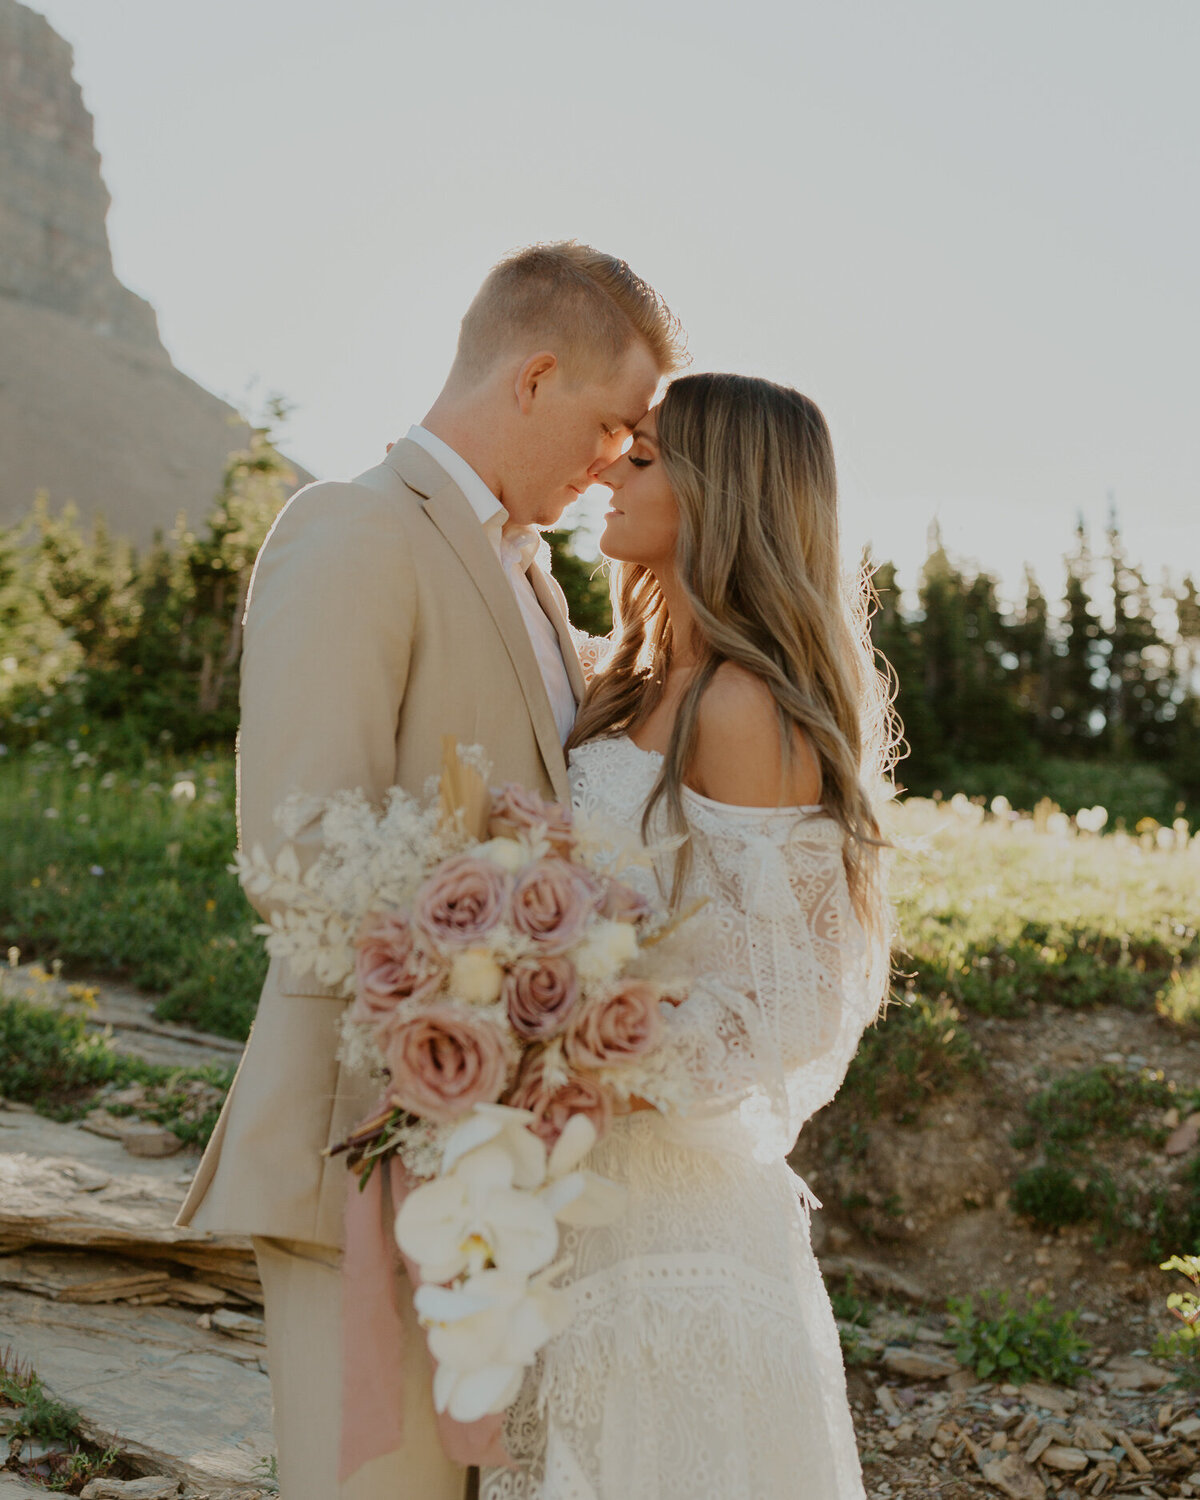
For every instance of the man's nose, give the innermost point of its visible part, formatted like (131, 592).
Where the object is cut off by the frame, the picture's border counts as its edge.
(607, 474)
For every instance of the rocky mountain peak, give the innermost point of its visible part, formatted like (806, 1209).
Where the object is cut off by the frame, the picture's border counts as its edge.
(54, 249)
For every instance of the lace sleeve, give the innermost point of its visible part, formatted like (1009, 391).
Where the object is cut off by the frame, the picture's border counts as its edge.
(593, 651)
(775, 1011)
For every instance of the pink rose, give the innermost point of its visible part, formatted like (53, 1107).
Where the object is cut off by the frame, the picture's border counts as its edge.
(444, 1061)
(621, 903)
(551, 903)
(553, 1107)
(392, 966)
(516, 810)
(624, 1024)
(539, 994)
(462, 901)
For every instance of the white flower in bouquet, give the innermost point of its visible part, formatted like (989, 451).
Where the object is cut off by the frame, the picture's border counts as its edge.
(484, 1334)
(510, 854)
(476, 977)
(474, 1216)
(492, 1215)
(604, 951)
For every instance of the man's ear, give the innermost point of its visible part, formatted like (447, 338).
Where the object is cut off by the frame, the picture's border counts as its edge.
(537, 370)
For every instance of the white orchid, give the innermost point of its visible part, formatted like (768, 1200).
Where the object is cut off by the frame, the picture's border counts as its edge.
(573, 1195)
(506, 1126)
(473, 1217)
(485, 1333)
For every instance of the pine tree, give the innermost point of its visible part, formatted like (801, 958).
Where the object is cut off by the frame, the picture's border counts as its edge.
(1077, 681)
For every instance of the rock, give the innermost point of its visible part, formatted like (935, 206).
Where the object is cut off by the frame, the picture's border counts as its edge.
(1184, 1138)
(91, 407)
(1067, 1460)
(100, 1122)
(144, 1138)
(918, 1364)
(1136, 1457)
(60, 1185)
(1124, 1372)
(1050, 1397)
(239, 1325)
(76, 1276)
(1188, 1428)
(1089, 1434)
(1038, 1446)
(13, 1487)
(875, 1279)
(1014, 1477)
(149, 1488)
(180, 1402)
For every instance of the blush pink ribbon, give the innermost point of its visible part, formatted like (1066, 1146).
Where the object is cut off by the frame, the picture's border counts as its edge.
(373, 1336)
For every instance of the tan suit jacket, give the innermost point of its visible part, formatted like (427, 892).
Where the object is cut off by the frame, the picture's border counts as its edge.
(379, 619)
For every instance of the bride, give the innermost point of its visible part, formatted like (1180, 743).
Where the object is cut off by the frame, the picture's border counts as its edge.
(739, 704)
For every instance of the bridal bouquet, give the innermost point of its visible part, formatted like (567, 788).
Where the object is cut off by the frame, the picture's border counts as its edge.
(497, 968)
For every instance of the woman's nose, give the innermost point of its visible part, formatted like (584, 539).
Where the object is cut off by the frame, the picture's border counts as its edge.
(607, 474)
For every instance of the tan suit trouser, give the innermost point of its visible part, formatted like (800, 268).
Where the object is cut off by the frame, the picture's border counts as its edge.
(302, 1293)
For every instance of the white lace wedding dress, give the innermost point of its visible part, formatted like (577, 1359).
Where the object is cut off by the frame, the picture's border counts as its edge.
(702, 1361)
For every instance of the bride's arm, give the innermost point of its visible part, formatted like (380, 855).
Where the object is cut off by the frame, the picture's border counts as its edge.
(787, 918)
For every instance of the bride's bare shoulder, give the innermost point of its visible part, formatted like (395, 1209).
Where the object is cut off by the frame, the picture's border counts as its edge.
(738, 757)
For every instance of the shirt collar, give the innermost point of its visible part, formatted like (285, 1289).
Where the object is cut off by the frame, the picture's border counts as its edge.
(479, 497)
(517, 544)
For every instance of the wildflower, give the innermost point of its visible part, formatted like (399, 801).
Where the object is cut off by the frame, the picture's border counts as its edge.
(210, 905)
(183, 792)
(50, 812)
(96, 870)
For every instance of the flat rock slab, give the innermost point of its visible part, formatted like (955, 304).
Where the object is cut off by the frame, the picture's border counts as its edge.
(99, 1276)
(13, 1487)
(62, 1185)
(176, 1399)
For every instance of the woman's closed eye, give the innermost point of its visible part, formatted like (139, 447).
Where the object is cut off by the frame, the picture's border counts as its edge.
(640, 463)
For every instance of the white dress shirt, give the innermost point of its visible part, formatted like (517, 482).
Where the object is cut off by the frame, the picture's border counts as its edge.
(516, 547)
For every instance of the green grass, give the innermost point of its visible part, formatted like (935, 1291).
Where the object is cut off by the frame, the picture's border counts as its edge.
(50, 1059)
(919, 1050)
(1104, 1100)
(1068, 1121)
(39, 1418)
(1000, 920)
(119, 879)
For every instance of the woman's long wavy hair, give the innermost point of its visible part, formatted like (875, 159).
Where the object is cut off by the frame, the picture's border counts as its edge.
(751, 467)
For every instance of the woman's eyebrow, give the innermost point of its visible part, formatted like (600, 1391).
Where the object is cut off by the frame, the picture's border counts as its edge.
(645, 437)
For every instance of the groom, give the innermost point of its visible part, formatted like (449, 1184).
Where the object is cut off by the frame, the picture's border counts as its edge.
(384, 613)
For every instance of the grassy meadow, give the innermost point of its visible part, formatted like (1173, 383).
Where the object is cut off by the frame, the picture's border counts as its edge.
(122, 874)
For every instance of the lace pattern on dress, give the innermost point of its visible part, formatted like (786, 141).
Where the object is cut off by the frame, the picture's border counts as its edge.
(703, 1359)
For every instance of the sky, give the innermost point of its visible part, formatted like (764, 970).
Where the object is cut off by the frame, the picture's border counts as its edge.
(970, 232)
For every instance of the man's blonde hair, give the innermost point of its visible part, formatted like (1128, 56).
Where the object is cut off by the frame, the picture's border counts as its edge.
(584, 306)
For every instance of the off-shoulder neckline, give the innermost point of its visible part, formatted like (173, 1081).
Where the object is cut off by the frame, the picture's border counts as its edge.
(770, 812)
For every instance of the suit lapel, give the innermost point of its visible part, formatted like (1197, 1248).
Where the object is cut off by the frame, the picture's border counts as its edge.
(449, 510)
(549, 598)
